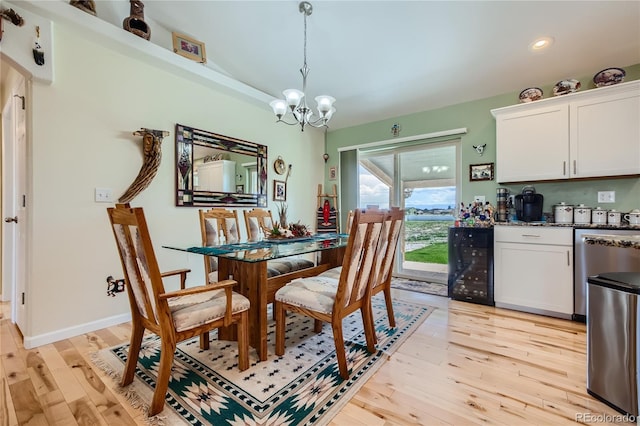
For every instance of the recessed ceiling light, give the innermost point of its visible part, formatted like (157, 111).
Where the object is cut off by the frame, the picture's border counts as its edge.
(540, 44)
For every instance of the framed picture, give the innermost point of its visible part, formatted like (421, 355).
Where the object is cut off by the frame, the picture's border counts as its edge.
(189, 48)
(279, 190)
(240, 189)
(481, 172)
(333, 173)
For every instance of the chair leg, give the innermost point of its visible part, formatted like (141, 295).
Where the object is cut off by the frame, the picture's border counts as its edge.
(340, 352)
(389, 303)
(137, 333)
(369, 327)
(281, 320)
(164, 374)
(317, 326)
(243, 341)
(204, 341)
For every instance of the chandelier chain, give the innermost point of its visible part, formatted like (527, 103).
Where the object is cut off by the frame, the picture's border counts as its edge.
(296, 101)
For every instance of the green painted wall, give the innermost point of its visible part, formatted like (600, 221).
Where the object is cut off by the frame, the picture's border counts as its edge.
(476, 117)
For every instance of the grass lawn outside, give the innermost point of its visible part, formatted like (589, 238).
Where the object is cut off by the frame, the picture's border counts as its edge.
(430, 237)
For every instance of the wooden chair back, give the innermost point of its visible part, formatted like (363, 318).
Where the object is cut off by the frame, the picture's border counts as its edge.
(214, 223)
(359, 266)
(142, 275)
(392, 226)
(256, 221)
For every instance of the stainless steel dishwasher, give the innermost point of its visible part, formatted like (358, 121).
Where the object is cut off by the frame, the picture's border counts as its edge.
(590, 259)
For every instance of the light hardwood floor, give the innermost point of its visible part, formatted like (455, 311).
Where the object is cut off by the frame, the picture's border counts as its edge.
(467, 364)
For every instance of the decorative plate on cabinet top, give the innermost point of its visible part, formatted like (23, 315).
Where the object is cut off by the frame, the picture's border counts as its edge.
(566, 86)
(531, 94)
(609, 77)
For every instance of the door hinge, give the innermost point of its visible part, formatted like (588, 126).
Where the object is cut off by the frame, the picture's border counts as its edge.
(22, 98)
(23, 298)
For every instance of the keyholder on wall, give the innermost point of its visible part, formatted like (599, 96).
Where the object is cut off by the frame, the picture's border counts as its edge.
(38, 52)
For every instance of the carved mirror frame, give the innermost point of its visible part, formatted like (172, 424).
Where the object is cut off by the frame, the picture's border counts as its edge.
(188, 141)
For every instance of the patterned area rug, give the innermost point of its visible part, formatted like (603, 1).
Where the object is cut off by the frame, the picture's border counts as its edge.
(301, 387)
(419, 286)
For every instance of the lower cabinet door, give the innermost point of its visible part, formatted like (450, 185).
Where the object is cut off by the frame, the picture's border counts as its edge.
(536, 277)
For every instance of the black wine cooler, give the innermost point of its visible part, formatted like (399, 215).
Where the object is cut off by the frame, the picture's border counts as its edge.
(471, 265)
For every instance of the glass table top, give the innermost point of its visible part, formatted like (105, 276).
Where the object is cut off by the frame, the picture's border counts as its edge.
(268, 249)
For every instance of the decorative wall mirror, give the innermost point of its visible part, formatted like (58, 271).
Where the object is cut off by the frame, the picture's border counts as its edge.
(210, 168)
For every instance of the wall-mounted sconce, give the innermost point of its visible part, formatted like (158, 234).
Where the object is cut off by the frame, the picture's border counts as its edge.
(325, 156)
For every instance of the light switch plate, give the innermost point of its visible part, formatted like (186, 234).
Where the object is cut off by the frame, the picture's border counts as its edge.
(479, 199)
(104, 195)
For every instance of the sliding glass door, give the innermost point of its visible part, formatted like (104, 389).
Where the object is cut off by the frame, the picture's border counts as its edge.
(422, 180)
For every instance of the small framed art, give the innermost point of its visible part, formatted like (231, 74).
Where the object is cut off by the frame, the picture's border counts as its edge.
(189, 48)
(333, 173)
(279, 190)
(481, 172)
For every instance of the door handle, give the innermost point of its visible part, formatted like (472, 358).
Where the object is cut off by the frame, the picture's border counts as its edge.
(11, 219)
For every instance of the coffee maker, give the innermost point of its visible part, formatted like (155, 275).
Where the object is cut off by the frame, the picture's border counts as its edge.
(529, 205)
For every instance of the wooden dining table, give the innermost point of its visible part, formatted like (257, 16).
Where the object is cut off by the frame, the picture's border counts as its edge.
(246, 263)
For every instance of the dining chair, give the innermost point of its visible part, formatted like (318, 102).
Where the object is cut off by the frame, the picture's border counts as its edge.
(394, 219)
(256, 221)
(176, 315)
(393, 222)
(329, 300)
(214, 223)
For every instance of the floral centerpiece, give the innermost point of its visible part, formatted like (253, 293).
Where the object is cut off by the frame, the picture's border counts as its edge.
(294, 230)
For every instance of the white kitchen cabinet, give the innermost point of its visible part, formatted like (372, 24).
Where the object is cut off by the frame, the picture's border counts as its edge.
(533, 269)
(217, 176)
(594, 133)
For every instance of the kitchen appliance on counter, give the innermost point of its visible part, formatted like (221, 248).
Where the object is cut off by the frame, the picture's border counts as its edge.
(529, 205)
(594, 259)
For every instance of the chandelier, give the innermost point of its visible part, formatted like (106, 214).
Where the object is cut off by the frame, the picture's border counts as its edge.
(296, 101)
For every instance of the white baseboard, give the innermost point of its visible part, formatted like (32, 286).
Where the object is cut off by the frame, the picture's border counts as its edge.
(54, 336)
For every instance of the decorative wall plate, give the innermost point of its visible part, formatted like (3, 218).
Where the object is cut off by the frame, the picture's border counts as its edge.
(279, 166)
(531, 94)
(566, 86)
(609, 77)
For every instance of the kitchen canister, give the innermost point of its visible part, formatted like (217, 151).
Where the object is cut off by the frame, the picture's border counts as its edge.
(633, 217)
(582, 214)
(598, 216)
(614, 217)
(563, 213)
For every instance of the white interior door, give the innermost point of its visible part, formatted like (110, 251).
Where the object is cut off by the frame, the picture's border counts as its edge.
(14, 140)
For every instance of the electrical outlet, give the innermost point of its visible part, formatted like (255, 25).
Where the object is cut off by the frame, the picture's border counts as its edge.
(479, 199)
(104, 195)
(606, 196)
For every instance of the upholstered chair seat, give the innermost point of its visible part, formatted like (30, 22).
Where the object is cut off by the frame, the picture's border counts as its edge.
(194, 310)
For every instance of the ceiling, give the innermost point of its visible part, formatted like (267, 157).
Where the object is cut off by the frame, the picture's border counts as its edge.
(384, 59)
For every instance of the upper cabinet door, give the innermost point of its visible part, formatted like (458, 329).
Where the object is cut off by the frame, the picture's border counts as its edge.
(595, 133)
(605, 135)
(533, 144)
